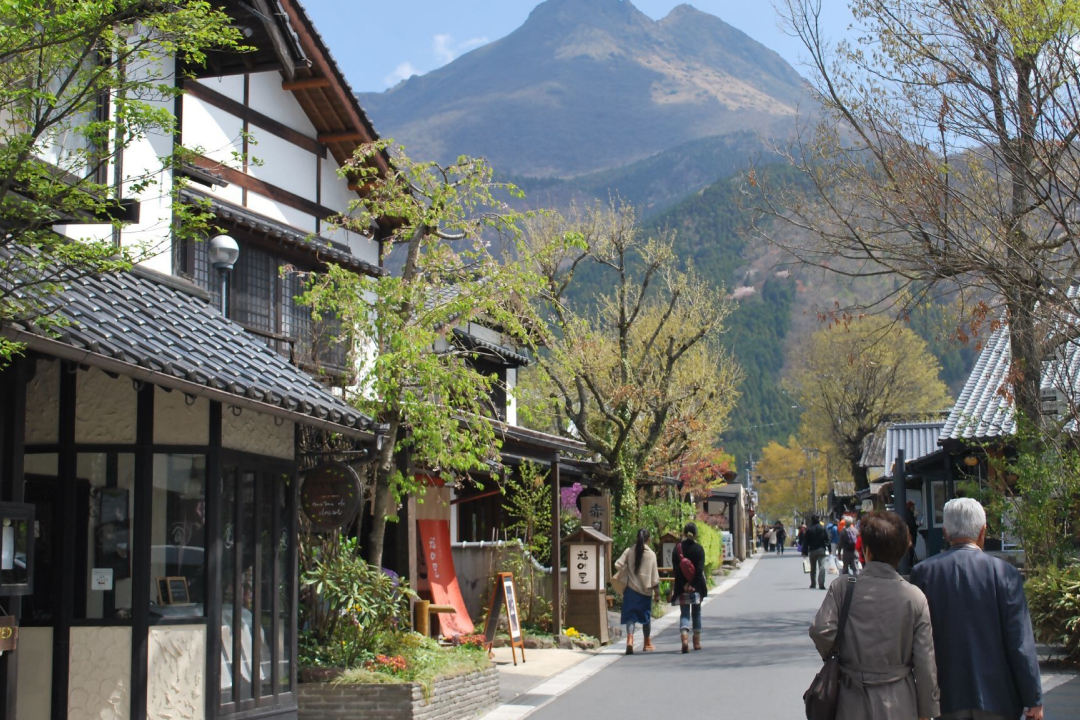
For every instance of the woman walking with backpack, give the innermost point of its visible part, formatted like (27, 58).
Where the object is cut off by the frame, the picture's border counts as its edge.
(642, 583)
(689, 588)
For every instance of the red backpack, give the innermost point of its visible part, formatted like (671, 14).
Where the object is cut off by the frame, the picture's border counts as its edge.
(685, 565)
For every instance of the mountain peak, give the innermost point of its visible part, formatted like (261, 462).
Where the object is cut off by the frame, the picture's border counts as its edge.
(589, 85)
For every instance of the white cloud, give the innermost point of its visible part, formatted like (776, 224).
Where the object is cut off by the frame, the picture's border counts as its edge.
(404, 71)
(445, 49)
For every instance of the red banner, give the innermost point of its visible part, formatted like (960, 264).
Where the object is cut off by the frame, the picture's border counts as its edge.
(435, 544)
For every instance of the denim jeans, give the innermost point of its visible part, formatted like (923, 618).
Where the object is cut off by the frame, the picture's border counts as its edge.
(646, 629)
(686, 612)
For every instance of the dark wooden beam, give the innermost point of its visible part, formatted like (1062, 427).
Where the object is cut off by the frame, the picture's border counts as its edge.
(337, 137)
(556, 549)
(254, 117)
(265, 189)
(277, 38)
(305, 84)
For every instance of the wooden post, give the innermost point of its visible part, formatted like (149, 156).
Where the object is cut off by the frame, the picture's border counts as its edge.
(556, 549)
(422, 618)
(899, 485)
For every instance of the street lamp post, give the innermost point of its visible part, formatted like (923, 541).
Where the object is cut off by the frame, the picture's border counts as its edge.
(223, 252)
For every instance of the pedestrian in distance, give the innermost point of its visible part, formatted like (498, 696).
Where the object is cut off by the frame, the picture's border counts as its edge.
(816, 547)
(848, 539)
(689, 588)
(800, 539)
(886, 655)
(834, 532)
(913, 529)
(781, 539)
(642, 585)
(986, 659)
(772, 539)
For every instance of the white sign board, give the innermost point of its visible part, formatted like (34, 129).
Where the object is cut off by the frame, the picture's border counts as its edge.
(667, 551)
(101, 579)
(728, 541)
(583, 567)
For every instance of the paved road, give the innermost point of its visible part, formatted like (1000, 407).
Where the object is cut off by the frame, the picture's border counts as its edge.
(756, 662)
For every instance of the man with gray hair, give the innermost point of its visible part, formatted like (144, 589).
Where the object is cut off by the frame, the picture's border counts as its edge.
(986, 661)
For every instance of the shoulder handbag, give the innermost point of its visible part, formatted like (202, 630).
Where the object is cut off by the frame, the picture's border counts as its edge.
(823, 694)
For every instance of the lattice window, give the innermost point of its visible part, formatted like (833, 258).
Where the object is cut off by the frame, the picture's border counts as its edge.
(253, 290)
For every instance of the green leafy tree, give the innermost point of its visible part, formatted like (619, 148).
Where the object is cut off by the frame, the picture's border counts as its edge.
(635, 368)
(435, 405)
(80, 83)
(855, 375)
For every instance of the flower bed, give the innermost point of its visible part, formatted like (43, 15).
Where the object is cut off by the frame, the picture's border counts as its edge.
(444, 698)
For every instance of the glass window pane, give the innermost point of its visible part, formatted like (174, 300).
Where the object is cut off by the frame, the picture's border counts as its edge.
(228, 580)
(285, 589)
(246, 557)
(178, 536)
(42, 488)
(105, 567)
(267, 538)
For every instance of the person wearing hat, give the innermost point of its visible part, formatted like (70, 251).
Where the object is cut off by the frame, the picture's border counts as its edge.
(689, 587)
(845, 547)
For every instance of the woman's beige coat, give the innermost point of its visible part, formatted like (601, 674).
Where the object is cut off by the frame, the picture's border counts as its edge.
(887, 657)
(647, 577)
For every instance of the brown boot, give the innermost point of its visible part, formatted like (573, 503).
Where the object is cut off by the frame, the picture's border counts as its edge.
(648, 645)
(630, 644)
(697, 641)
(685, 642)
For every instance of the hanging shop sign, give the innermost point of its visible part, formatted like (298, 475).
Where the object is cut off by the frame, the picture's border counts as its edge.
(331, 495)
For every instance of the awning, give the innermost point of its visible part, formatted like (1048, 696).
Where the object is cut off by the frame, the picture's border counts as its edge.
(159, 329)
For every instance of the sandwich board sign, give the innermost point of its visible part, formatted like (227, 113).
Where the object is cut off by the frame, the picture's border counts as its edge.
(503, 596)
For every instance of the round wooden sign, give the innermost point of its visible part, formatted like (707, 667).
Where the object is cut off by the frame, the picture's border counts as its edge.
(331, 495)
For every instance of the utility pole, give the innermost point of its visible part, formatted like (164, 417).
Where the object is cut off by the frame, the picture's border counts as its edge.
(812, 454)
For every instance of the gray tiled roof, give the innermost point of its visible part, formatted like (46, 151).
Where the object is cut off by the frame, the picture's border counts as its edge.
(915, 439)
(139, 321)
(323, 249)
(983, 411)
(508, 355)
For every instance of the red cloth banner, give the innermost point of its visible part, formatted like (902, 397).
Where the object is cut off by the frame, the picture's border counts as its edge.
(435, 545)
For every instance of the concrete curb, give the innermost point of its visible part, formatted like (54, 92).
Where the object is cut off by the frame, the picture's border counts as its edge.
(524, 705)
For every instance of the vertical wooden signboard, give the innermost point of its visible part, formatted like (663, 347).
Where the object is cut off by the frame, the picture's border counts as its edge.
(503, 595)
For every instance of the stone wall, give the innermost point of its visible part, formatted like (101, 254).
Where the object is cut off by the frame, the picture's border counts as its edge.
(453, 698)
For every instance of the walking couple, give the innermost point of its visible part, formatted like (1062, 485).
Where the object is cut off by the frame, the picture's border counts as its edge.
(637, 568)
(955, 643)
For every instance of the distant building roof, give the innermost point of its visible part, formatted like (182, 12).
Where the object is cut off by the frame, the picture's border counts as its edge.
(915, 439)
(873, 451)
(983, 411)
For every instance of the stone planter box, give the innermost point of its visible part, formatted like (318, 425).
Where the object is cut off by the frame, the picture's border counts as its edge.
(451, 698)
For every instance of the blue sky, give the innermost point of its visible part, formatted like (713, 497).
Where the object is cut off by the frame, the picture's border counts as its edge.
(379, 42)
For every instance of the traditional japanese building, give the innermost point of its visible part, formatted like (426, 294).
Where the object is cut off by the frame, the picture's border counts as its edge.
(155, 439)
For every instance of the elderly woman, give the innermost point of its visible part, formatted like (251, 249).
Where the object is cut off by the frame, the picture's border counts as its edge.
(887, 654)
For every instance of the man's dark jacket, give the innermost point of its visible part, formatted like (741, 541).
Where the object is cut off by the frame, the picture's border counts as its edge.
(983, 641)
(816, 538)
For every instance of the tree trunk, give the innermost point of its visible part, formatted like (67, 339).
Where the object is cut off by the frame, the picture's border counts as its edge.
(384, 496)
(1025, 372)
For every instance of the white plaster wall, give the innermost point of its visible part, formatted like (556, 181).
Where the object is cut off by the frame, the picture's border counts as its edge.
(335, 189)
(361, 246)
(86, 233)
(284, 164)
(298, 219)
(511, 397)
(153, 232)
(231, 86)
(34, 699)
(486, 334)
(215, 134)
(43, 404)
(266, 96)
(177, 423)
(176, 665)
(256, 433)
(105, 409)
(99, 679)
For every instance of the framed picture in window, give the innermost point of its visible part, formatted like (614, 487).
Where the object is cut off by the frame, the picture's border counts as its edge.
(112, 534)
(173, 591)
